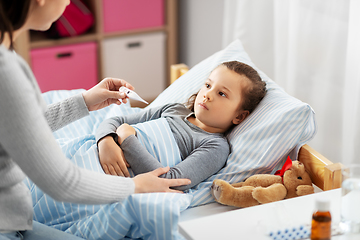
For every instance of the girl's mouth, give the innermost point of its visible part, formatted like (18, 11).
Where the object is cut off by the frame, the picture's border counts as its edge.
(202, 105)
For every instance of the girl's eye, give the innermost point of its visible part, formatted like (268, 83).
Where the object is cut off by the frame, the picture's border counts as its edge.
(207, 85)
(222, 94)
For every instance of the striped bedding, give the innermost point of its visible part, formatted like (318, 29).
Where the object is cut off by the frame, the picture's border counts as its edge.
(147, 216)
(278, 127)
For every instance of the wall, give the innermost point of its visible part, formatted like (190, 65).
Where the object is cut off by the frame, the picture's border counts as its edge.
(200, 29)
(205, 36)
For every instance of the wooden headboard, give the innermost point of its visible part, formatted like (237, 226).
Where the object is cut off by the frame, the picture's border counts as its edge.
(324, 174)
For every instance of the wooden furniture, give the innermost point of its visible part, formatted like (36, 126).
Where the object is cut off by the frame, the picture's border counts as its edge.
(33, 40)
(324, 174)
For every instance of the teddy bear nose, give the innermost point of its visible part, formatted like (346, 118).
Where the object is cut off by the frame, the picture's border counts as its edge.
(300, 178)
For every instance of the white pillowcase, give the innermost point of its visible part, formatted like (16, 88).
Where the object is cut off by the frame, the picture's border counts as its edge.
(278, 127)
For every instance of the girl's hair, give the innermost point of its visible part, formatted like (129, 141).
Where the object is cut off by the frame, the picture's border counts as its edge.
(252, 95)
(13, 14)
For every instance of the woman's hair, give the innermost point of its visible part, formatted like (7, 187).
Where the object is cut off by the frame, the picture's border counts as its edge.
(13, 14)
(252, 95)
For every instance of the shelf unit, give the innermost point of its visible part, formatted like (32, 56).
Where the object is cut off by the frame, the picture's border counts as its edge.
(33, 40)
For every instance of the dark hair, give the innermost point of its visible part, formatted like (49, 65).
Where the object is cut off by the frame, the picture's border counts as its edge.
(13, 14)
(252, 95)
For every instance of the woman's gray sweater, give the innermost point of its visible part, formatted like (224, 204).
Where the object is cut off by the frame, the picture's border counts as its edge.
(28, 148)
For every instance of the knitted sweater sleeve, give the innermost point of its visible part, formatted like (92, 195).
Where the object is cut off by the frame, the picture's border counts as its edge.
(62, 113)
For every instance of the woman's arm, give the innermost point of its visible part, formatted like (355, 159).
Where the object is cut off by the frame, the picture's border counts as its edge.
(64, 112)
(71, 109)
(27, 140)
(203, 162)
(106, 93)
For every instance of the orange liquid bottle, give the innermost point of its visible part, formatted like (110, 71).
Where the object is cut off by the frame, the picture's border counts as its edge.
(321, 221)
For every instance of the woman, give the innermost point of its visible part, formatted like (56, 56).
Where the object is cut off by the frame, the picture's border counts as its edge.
(27, 146)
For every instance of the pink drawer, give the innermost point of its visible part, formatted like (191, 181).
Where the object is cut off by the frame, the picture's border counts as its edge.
(65, 67)
(120, 15)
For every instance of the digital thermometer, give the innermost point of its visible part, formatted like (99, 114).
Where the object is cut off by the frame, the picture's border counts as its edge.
(131, 94)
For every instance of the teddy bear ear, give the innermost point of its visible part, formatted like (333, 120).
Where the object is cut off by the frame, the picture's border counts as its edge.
(287, 165)
(300, 166)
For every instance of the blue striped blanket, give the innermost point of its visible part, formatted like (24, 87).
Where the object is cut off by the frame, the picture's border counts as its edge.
(147, 216)
(258, 145)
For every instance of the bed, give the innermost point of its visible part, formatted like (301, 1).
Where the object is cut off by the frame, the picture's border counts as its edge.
(280, 127)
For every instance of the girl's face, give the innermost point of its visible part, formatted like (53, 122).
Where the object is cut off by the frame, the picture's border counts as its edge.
(43, 13)
(218, 103)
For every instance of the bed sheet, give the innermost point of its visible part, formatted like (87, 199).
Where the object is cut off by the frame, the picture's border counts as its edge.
(145, 216)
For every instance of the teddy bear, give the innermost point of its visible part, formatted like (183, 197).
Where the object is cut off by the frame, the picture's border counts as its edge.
(291, 181)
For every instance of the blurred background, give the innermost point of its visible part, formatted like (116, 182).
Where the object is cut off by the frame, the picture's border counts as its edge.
(311, 48)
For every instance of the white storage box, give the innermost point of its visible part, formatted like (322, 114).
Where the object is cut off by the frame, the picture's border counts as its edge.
(139, 59)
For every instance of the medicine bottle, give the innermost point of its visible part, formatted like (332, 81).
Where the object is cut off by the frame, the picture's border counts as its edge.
(321, 221)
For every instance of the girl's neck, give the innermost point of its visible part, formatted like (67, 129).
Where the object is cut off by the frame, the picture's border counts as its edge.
(199, 124)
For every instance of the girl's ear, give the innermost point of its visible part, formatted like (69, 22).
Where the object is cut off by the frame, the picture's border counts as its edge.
(239, 118)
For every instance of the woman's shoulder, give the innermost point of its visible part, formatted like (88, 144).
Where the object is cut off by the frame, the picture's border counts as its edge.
(16, 75)
(12, 63)
(10, 69)
(7, 57)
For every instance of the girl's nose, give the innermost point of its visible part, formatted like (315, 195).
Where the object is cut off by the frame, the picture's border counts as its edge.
(208, 96)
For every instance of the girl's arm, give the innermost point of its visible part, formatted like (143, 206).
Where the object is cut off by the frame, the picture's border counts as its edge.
(203, 162)
(108, 127)
(112, 158)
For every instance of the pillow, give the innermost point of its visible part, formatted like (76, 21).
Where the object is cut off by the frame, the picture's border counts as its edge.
(277, 128)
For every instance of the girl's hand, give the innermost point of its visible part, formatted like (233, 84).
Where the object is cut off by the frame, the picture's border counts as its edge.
(151, 182)
(105, 93)
(112, 158)
(124, 131)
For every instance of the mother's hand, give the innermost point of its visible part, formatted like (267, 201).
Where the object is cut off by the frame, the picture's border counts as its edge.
(105, 93)
(151, 182)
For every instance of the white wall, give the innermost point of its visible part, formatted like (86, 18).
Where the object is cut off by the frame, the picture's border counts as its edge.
(200, 29)
(201, 25)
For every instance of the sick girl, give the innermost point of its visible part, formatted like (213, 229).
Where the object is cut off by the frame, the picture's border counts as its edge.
(228, 96)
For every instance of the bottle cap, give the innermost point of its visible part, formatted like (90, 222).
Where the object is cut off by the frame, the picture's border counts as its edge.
(322, 205)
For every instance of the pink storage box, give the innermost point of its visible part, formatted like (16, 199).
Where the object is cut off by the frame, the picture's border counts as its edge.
(120, 15)
(65, 67)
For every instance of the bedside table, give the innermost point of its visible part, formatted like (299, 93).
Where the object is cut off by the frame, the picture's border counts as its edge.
(256, 222)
